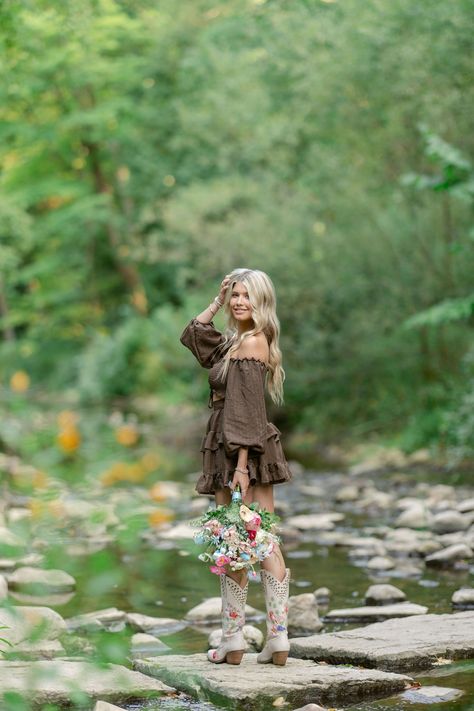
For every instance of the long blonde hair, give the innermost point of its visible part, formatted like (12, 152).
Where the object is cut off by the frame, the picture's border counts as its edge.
(263, 301)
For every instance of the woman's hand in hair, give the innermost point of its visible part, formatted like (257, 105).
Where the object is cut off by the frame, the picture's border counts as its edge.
(225, 283)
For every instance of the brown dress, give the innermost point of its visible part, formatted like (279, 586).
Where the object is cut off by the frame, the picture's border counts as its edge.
(239, 417)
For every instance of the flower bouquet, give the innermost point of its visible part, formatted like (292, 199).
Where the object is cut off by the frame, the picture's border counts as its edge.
(236, 535)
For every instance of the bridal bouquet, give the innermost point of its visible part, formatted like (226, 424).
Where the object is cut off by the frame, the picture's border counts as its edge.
(236, 535)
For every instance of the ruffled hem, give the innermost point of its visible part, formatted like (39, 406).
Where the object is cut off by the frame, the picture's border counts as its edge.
(271, 473)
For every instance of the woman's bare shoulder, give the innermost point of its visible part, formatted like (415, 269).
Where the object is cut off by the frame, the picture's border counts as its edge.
(255, 346)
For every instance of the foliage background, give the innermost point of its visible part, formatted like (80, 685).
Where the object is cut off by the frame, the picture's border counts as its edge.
(148, 148)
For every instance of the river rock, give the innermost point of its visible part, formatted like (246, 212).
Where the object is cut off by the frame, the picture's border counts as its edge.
(401, 644)
(431, 695)
(383, 595)
(376, 612)
(315, 522)
(39, 581)
(33, 631)
(105, 706)
(253, 689)
(449, 522)
(3, 588)
(448, 557)
(153, 625)
(311, 707)
(252, 635)
(209, 611)
(109, 618)
(303, 615)
(322, 595)
(146, 645)
(415, 516)
(51, 682)
(380, 562)
(463, 599)
(466, 505)
(347, 493)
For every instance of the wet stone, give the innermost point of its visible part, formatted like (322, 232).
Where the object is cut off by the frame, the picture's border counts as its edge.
(395, 645)
(54, 681)
(463, 599)
(383, 595)
(431, 695)
(299, 683)
(375, 612)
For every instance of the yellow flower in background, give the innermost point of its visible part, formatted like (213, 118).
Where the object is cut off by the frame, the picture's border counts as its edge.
(160, 517)
(69, 439)
(126, 435)
(20, 381)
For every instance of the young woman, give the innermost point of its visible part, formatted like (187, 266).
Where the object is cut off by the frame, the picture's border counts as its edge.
(240, 446)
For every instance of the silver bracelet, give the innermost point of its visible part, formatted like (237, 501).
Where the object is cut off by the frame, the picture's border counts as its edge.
(212, 312)
(218, 301)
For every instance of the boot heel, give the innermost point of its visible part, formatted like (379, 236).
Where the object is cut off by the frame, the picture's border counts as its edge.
(279, 658)
(234, 657)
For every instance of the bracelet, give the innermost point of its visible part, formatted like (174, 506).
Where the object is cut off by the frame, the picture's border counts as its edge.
(242, 471)
(218, 301)
(212, 312)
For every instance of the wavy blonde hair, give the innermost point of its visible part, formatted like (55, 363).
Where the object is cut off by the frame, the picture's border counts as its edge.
(263, 301)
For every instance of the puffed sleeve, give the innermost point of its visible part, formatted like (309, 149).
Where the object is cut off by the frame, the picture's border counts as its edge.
(244, 420)
(202, 340)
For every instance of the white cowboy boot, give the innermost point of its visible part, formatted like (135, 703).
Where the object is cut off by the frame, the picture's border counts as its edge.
(232, 646)
(276, 599)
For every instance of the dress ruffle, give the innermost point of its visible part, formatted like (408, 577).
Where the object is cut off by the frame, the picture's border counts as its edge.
(269, 467)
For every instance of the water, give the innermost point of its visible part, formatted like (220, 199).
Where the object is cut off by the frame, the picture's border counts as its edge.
(168, 581)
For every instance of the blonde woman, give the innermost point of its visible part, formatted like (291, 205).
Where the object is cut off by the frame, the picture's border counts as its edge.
(240, 446)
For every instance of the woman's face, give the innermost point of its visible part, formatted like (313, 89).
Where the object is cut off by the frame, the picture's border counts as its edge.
(240, 303)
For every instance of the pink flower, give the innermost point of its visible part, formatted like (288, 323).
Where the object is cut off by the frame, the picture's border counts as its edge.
(222, 560)
(217, 570)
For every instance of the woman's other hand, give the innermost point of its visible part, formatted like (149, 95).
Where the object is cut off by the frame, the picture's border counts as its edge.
(223, 288)
(243, 481)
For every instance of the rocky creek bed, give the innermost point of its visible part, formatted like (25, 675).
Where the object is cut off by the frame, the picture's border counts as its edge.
(381, 592)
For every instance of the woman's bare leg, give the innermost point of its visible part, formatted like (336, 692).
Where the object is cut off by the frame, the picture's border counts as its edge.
(223, 497)
(263, 494)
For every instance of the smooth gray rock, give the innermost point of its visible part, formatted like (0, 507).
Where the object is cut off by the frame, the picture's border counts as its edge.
(463, 598)
(54, 681)
(449, 522)
(146, 645)
(322, 595)
(311, 707)
(38, 580)
(209, 611)
(415, 516)
(109, 618)
(303, 617)
(395, 645)
(448, 557)
(466, 505)
(154, 625)
(25, 623)
(104, 706)
(431, 695)
(381, 562)
(383, 595)
(315, 522)
(376, 612)
(3, 588)
(253, 687)
(252, 635)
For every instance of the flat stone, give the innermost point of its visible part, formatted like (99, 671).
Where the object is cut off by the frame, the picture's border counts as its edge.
(3, 588)
(466, 505)
(463, 598)
(209, 611)
(252, 687)
(449, 556)
(449, 522)
(380, 562)
(383, 594)
(55, 682)
(109, 618)
(315, 522)
(38, 580)
(104, 706)
(146, 645)
(431, 695)
(376, 612)
(154, 625)
(24, 623)
(395, 645)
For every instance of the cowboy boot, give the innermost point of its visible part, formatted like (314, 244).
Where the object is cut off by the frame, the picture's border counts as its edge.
(276, 599)
(232, 645)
